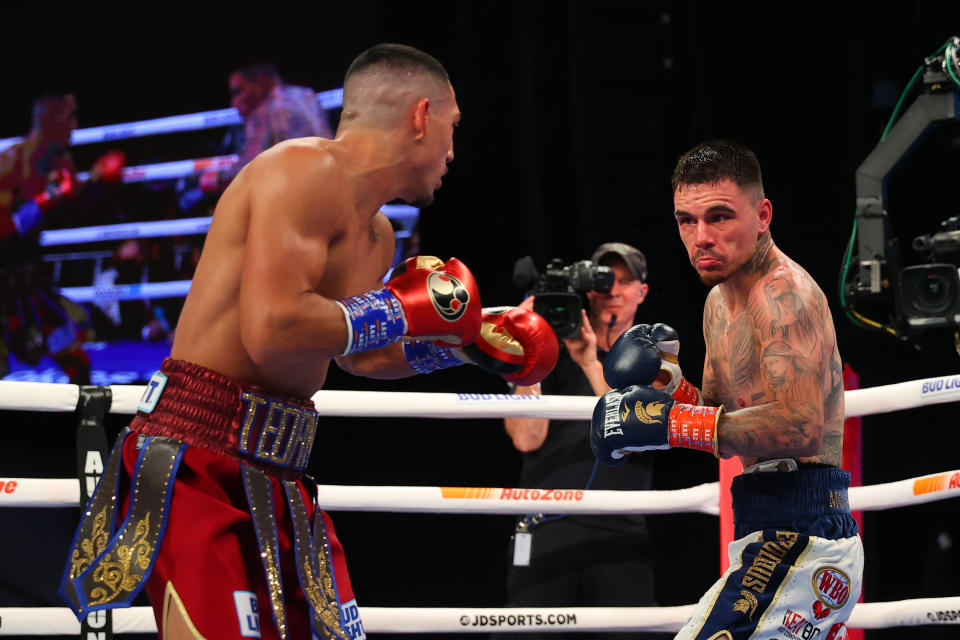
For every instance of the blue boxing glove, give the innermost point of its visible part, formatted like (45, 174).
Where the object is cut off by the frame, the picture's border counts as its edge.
(641, 353)
(641, 418)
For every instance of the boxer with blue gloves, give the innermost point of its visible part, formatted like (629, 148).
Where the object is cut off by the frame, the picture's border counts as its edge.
(772, 394)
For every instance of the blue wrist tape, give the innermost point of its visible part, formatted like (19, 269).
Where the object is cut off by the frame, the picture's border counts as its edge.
(425, 357)
(374, 319)
(27, 217)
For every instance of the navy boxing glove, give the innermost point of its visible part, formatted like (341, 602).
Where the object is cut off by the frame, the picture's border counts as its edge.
(641, 353)
(641, 418)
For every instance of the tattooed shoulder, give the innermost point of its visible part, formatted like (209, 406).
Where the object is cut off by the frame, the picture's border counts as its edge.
(715, 318)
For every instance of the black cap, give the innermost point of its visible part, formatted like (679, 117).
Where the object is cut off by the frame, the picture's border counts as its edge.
(634, 259)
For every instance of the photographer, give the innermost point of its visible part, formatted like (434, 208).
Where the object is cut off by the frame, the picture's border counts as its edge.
(583, 560)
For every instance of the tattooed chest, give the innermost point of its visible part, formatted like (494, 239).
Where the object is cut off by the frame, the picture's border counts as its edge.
(736, 365)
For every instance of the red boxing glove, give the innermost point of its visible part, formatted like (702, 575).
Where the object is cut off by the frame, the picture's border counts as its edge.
(60, 185)
(440, 300)
(109, 167)
(515, 343)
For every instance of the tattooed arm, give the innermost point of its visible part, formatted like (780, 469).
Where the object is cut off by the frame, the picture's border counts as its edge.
(714, 323)
(787, 325)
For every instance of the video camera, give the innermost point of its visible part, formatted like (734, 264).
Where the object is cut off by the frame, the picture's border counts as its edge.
(930, 293)
(925, 296)
(558, 291)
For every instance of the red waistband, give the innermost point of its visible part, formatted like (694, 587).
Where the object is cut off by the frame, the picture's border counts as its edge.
(208, 409)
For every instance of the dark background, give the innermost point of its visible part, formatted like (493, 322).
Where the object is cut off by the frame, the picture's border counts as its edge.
(574, 114)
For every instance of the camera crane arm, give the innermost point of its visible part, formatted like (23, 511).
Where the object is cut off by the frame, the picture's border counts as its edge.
(942, 103)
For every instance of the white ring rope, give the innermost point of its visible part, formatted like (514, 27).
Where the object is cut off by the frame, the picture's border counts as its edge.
(704, 498)
(332, 99)
(866, 615)
(405, 214)
(49, 396)
(42, 492)
(131, 291)
(170, 170)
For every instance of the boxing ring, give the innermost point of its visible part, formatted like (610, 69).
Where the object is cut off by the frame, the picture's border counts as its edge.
(122, 399)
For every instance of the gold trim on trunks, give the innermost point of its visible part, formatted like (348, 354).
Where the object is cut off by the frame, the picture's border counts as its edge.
(113, 571)
(260, 498)
(313, 568)
(96, 522)
(173, 604)
(122, 568)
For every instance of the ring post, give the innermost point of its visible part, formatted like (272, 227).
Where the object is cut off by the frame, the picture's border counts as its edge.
(92, 407)
(729, 468)
(852, 461)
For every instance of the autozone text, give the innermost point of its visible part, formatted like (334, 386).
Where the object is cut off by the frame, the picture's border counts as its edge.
(8, 486)
(542, 494)
(798, 626)
(943, 616)
(519, 620)
(932, 484)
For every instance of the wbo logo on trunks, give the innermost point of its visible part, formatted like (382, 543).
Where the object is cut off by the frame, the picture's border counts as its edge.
(832, 588)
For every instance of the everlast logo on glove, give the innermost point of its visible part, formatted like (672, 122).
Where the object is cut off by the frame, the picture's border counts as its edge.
(448, 295)
(611, 422)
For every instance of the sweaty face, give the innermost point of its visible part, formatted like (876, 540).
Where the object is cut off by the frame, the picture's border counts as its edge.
(437, 152)
(622, 300)
(719, 225)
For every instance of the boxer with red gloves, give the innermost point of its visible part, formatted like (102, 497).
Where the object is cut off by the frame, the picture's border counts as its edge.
(291, 277)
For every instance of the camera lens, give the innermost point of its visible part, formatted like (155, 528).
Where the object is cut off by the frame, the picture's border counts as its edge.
(933, 294)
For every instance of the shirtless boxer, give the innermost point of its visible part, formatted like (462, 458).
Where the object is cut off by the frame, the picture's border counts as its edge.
(772, 394)
(291, 276)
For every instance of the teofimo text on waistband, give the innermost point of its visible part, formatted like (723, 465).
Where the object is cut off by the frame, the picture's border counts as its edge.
(276, 432)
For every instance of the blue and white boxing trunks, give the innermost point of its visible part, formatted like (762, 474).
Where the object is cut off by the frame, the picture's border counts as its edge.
(796, 563)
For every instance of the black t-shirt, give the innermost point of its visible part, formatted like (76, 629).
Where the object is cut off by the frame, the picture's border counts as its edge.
(565, 460)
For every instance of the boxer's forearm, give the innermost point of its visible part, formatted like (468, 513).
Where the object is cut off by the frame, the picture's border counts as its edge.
(772, 430)
(387, 363)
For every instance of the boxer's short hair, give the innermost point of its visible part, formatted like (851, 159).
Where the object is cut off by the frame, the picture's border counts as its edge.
(716, 160)
(397, 58)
